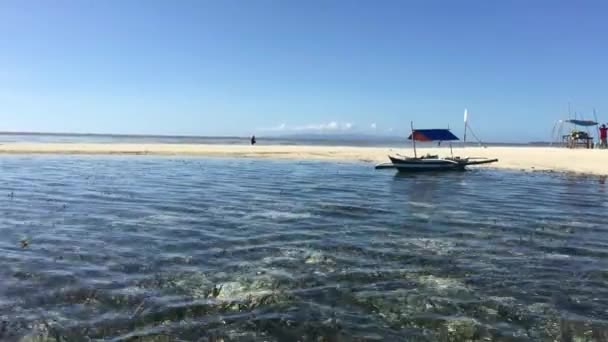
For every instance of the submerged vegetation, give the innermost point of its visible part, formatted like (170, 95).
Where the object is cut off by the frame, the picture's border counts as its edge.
(307, 251)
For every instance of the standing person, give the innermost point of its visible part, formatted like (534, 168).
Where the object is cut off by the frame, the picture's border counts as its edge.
(603, 136)
(253, 140)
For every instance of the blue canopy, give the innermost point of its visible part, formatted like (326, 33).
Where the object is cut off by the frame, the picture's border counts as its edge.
(582, 122)
(433, 135)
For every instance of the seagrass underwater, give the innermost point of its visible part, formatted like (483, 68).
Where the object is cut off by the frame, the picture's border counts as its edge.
(182, 247)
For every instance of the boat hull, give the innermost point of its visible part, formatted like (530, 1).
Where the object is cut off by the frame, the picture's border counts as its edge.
(426, 165)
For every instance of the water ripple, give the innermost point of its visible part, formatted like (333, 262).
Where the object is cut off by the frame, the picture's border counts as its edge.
(120, 248)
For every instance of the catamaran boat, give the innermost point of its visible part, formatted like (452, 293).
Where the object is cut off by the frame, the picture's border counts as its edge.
(432, 162)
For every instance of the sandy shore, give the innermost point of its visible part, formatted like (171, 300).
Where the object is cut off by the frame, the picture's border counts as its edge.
(517, 158)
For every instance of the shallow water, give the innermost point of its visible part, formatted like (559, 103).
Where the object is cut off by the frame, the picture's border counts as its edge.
(182, 249)
(302, 140)
(321, 140)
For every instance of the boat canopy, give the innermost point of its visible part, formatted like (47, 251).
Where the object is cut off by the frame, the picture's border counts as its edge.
(433, 135)
(585, 123)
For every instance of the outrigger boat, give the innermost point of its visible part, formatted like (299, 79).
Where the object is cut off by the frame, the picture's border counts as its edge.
(432, 162)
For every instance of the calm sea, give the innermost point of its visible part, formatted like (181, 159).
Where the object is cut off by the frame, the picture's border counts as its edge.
(182, 249)
(312, 140)
(167, 139)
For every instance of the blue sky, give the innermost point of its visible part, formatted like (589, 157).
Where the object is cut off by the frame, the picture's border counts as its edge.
(272, 67)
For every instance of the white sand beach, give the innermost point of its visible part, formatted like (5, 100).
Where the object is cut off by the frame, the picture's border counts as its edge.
(516, 158)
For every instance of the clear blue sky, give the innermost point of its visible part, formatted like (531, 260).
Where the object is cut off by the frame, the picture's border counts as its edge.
(240, 67)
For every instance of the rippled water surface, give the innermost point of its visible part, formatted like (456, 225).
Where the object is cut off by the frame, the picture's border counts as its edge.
(163, 249)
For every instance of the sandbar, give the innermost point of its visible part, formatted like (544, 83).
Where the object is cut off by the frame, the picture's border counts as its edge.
(515, 158)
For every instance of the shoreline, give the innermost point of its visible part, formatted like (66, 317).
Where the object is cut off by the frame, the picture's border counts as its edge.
(594, 162)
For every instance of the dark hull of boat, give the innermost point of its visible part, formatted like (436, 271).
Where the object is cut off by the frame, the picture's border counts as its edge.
(420, 168)
(427, 165)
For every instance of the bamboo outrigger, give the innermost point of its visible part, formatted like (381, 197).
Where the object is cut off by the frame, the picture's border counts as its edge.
(431, 162)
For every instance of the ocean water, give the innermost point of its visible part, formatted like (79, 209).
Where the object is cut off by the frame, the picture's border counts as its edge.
(182, 249)
(307, 140)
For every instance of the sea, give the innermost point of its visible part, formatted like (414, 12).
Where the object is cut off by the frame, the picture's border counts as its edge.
(356, 140)
(148, 248)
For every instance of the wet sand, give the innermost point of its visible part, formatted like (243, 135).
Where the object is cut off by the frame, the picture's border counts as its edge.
(515, 158)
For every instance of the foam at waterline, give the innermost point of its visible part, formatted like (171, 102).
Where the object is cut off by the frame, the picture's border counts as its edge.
(422, 216)
(556, 256)
(276, 214)
(421, 204)
(453, 213)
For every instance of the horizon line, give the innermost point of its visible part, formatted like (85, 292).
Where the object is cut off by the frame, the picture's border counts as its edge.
(312, 136)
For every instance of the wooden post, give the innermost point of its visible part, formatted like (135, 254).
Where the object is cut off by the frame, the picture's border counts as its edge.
(597, 126)
(413, 139)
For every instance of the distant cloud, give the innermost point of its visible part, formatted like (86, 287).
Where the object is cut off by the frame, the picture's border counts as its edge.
(373, 126)
(332, 126)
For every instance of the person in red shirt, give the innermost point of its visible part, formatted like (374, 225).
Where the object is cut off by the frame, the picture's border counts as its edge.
(603, 136)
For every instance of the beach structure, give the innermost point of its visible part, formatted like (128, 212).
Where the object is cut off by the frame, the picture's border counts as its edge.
(468, 129)
(431, 162)
(578, 133)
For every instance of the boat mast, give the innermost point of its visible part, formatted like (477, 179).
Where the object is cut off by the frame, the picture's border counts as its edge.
(413, 138)
(466, 115)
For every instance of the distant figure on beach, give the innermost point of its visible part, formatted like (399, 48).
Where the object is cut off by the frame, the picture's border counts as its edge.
(253, 140)
(603, 136)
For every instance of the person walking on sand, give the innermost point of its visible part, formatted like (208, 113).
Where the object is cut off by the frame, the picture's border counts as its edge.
(603, 136)
(253, 140)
